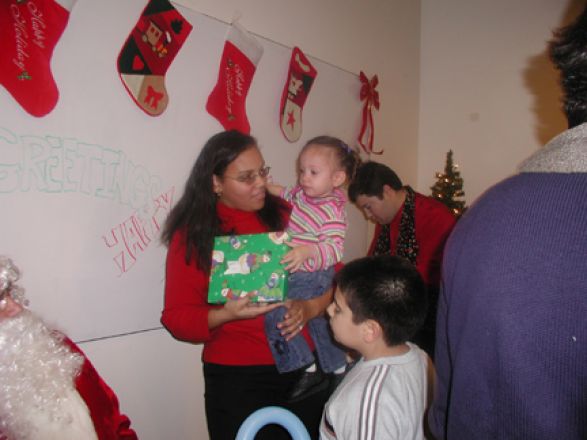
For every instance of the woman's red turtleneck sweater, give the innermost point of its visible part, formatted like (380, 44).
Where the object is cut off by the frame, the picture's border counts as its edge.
(185, 314)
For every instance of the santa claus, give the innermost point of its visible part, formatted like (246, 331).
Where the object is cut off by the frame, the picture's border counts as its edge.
(48, 388)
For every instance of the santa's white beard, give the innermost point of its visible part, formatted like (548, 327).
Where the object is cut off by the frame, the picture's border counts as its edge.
(37, 373)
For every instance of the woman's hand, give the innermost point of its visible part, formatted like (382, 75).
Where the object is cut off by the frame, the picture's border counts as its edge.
(299, 312)
(294, 319)
(242, 308)
(245, 308)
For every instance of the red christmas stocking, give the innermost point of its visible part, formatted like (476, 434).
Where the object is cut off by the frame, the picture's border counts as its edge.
(29, 31)
(240, 57)
(300, 78)
(149, 51)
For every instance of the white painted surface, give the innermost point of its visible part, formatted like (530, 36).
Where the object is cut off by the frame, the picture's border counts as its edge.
(488, 90)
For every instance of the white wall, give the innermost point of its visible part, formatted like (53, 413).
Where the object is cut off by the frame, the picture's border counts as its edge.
(487, 91)
(157, 379)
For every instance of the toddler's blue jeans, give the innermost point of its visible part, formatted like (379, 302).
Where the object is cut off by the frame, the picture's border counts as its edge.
(296, 353)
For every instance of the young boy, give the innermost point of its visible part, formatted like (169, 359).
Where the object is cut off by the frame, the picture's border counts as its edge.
(379, 304)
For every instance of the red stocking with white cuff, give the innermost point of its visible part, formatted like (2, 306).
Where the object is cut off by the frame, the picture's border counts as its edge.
(149, 51)
(300, 78)
(29, 31)
(227, 100)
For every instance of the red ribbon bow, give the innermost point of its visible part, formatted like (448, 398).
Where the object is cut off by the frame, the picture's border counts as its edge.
(371, 98)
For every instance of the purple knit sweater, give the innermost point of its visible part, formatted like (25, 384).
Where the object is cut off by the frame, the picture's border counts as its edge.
(511, 347)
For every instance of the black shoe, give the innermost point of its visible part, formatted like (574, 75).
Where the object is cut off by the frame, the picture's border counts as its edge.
(308, 384)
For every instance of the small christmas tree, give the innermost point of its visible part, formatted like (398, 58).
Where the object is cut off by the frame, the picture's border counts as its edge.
(449, 186)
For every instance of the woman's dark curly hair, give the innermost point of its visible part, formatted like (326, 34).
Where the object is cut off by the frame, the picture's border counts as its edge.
(195, 213)
(568, 52)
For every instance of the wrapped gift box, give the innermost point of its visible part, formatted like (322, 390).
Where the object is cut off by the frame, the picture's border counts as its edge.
(248, 263)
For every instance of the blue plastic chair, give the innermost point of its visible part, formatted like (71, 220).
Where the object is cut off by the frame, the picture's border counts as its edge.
(269, 415)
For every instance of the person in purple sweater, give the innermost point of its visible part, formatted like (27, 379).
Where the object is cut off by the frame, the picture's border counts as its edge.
(511, 338)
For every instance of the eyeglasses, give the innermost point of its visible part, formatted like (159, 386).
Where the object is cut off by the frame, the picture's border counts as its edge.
(250, 176)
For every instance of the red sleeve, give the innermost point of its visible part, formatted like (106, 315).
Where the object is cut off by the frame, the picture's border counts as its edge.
(434, 222)
(185, 313)
(102, 402)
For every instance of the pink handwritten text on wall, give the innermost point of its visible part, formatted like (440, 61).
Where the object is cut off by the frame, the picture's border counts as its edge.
(131, 237)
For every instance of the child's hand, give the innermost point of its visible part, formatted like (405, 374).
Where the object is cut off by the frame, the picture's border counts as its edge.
(273, 188)
(296, 257)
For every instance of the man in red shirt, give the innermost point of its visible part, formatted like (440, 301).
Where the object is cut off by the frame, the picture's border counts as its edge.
(409, 225)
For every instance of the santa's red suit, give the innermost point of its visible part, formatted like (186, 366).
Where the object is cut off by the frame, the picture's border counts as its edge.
(86, 409)
(49, 390)
(101, 401)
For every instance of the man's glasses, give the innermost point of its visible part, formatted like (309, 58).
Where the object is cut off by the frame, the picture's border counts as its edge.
(250, 176)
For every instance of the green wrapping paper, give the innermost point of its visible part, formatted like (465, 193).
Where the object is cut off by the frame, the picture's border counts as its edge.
(248, 263)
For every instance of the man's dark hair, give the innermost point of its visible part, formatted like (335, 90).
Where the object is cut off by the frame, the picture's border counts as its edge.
(370, 178)
(387, 289)
(568, 52)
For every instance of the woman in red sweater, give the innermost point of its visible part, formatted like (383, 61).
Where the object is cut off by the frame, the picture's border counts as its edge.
(226, 194)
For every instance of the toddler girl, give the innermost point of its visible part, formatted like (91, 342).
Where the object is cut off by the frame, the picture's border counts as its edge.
(317, 229)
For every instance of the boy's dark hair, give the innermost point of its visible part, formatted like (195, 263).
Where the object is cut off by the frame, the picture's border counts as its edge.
(387, 289)
(370, 178)
(568, 52)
